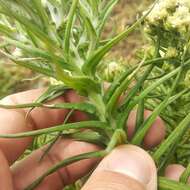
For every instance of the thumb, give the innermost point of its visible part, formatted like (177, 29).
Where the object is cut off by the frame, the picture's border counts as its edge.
(5, 174)
(127, 167)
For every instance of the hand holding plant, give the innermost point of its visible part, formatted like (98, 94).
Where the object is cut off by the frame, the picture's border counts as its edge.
(132, 160)
(63, 40)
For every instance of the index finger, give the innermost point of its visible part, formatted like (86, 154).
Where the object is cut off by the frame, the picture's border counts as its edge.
(14, 121)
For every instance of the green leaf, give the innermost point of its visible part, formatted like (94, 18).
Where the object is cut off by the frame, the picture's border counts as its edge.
(52, 92)
(124, 85)
(97, 154)
(120, 79)
(7, 31)
(90, 65)
(105, 14)
(29, 65)
(139, 83)
(86, 107)
(143, 129)
(167, 184)
(140, 115)
(82, 84)
(173, 138)
(90, 137)
(90, 29)
(49, 147)
(124, 112)
(78, 125)
(36, 52)
(68, 30)
(34, 28)
(37, 4)
(185, 175)
(26, 6)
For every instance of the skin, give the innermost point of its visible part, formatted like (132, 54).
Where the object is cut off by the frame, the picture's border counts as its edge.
(135, 169)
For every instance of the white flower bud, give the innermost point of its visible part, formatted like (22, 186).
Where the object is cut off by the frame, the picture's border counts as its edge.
(112, 70)
(171, 16)
(171, 52)
(187, 79)
(17, 52)
(53, 81)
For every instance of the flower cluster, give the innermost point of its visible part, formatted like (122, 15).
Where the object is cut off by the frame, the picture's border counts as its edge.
(110, 70)
(170, 20)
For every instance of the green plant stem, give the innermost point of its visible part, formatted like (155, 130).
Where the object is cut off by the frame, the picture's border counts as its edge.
(69, 28)
(78, 125)
(110, 107)
(172, 139)
(97, 154)
(90, 65)
(166, 184)
(117, 83)
(119, 137)
(142, 79)
(90, 137)
(140, 115)
(125, 111)
(137, 86)
(97, 101)
(185, 175)
(139, 136)
(86, 107)
(57, 137)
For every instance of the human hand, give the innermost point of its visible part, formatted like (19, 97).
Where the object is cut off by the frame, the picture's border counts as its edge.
(126, 167)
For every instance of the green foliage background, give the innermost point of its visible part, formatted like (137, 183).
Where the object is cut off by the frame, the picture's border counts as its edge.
(14, 78)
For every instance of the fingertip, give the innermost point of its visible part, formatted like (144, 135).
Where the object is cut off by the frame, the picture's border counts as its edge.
(131, 124)
(39, 118)
(155, 134)
(174, 172)
(5, 174)
(30, 168)
(131, 161)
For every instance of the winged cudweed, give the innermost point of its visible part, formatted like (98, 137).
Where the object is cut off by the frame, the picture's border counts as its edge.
(62, 39)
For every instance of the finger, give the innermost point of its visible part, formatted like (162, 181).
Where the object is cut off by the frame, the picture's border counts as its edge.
(154, 135)
(174, 172)
(5, 174)
(30, 168)
(77, 115)
(127, 168)
(14, 121)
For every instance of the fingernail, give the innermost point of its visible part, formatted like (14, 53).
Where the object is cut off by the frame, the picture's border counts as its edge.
(132, 161)
(174, 171)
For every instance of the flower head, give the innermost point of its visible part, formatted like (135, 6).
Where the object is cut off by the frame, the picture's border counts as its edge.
(170, 15)
(170, 22)
(111, 69)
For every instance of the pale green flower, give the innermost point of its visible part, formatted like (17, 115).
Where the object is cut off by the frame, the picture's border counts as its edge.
(170, 20)
(184, 2)
(112, 70)
(171, 52)
(160, 10)
(173, 13)
(180, 19)
(53, 81)
(17, 52)
(187, 79)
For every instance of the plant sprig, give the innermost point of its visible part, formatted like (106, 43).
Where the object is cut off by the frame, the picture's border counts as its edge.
(63, 40)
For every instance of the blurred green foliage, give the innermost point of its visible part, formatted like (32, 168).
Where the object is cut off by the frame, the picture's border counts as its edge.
(9, 78)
